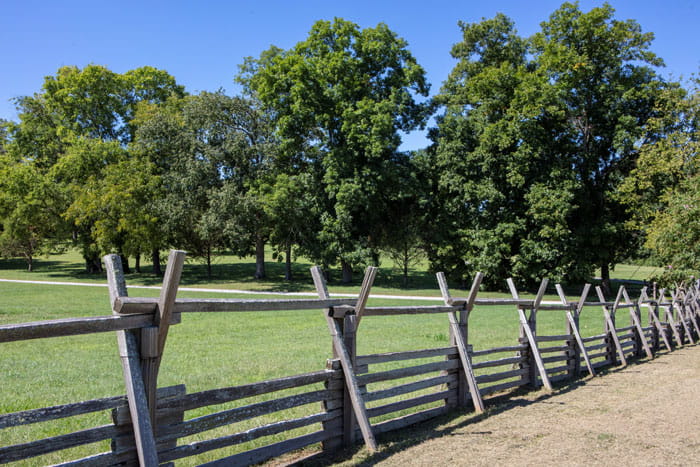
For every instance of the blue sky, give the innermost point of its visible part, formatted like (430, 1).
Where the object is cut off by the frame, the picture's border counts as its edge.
(202, 43)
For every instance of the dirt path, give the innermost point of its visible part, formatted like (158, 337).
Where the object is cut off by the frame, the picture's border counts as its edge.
(645, 414)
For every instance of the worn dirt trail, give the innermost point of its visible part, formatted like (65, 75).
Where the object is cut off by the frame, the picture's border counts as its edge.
(645, 414)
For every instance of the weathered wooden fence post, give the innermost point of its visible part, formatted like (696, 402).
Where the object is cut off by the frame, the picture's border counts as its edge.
(528, 334)
(572, 326)
(131, 364)
(459, 338)
(612, 339)
(354, 408)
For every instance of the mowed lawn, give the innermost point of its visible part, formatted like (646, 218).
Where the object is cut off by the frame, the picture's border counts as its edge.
(207, 350)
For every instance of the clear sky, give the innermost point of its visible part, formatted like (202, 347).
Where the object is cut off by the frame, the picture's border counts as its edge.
(202, 43)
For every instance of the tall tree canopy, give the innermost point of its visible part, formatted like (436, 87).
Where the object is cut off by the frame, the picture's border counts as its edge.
(536, 137)
(340, 100)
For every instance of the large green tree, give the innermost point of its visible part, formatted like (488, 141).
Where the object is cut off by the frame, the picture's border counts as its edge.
(536, 138)
(340, 100)
(76, 108)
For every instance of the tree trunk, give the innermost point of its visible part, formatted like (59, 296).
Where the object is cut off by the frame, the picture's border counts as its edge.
(605, 276)
(288, 262)
(125, 263)
(405, 268)
(92, 264)
(137, 262)
(155, 258)
(260, 258)
(347, 272)
(30, 263)
(209, 262)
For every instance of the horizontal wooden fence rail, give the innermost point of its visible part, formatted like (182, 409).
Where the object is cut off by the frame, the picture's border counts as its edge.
(355, 396)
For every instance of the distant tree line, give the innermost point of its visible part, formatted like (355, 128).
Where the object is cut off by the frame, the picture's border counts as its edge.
(551, 155)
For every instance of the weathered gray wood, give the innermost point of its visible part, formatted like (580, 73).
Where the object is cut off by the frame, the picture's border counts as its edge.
(555, 358)
(351, 382)
(510, 348)
(407, 403)
(370, 274)
(56, 443)
(672, 323)
(561, 337)
(681, 318)
(75, 326)
(593, 356)
(485, 391)
(410, 387)
(128, 305)
(466, 364)
(493, 377)
(579, 341)
(408, 371)
(521, 303)
(56, 412)
(199, 447)
(408, 310)
(611, 324)
(223, 395)
(408, 420)
(558, 369)
(227, 417)
(458, 337)
(499, 362)
(590, 348)
(534, 350)
(406, 355)
(131, 366)
(97, 460)
(256, 456)
(597, 337)
(554, 348)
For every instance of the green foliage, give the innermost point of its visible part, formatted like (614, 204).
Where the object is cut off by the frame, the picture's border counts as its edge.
(535, 139)
(340, 99)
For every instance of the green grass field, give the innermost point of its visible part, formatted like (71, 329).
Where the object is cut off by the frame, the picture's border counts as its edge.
(207, 350)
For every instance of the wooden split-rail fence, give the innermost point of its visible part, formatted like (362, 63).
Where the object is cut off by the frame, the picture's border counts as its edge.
(149, 423)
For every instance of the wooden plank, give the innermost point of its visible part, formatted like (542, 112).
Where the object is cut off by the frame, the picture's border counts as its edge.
(499, 362)
(367, 281)
(259, 455)
(681, 318)
(561, 337)
(597, 337)
(408, 371)
(75, 326)
(351, 382)
(56, 443)
(535, 351)
(199, 447)
(466, 364)
(131, 366)
(237, 414)
(555, 359)
(579, 341)
(128, 305)
(56, 412)
(510, 348)
(408, 420)
(406, 355)
(407, 403)
(554, 348)
(493, 377)
(223, 395)
(410, 387)
(408, 310)
(672, 323)
(611, 324)
(488, 390)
